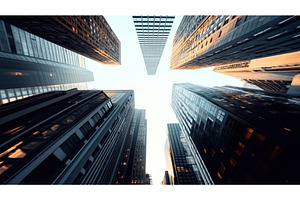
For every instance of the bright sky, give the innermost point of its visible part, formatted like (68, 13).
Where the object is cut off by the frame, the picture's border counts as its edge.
(152, 93)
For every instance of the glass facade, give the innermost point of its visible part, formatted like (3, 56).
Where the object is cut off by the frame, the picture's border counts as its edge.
(180, 162)
(90, 36)
(239, 135)
(33, 65)
(224, 39)
(71, 137)
(132, 168)
(152, 32)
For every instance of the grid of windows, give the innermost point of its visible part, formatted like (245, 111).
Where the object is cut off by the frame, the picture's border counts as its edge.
(152, 32)
(90, 36)
(220, 40)
(243, 142)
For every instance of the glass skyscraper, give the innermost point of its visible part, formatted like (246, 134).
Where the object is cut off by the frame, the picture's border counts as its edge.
(132, 167)
(68, 137)
(180, 162)
(239, 135)
(206, 41)
(31, 65)
(90, 36)
(152, 32)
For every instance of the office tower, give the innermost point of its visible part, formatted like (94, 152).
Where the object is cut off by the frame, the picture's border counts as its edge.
(152, 32)
(166, 179)
(220, 40)
(239, 135)
(132, 167)
(274, 73)
(90, 36)
(180, 162)
(31, 65)
(64, 137)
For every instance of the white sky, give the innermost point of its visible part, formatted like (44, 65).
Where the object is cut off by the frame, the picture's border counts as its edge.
(152, 93)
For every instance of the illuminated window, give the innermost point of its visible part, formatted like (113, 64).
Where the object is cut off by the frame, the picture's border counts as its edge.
(232, 161)
(240, 148)
(204, 151)
(219, 175)
(275, 153)
(248, 133)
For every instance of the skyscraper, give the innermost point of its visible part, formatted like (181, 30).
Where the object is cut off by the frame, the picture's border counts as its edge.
(239, 135)
(31, 65)
(132, 167)
(219, 40)
(90, 36)
(274, 73)
(152, 32)
(64, 137)
(180, 162)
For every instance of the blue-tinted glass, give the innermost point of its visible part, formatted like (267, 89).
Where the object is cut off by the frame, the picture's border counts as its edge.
(23, 41)
(30, 49)
(17, 39)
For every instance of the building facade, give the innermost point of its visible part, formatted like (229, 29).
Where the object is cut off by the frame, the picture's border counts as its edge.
(31, 65)
(64, 137)
(274, 73)
(239, 135)
(181, 165)
(219, 40)
(132, 167)
(166, 179)
(152, 32)
(90, 36)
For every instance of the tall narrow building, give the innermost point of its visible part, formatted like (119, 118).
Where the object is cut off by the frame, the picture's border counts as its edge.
(132, 167)
(239, 135)
(206, 41)
(64, 137)
(31, 65)
(152, 32)
(180, 162)
(90, 36)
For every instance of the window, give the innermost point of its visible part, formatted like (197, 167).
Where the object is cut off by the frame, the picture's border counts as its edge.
(239, 149)
(248, 133)
(220, 115)
(69, 145)
(86, 128)
(96, 118)
(217, 127)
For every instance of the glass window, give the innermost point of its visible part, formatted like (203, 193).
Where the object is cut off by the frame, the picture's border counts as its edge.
(24, 43)
(17, 39)
(34, 45)
(30, 49)
(86, 128)
(70, 144)
(3, 94)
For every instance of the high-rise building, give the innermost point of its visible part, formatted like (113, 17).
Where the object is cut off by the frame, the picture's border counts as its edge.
(181, 165)
(274, 73)
(240, 135)
(64, 137)
(152, 32)
(218, 40)
(166, 179)
(31, 65)
(90, 36)
(132, 167)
